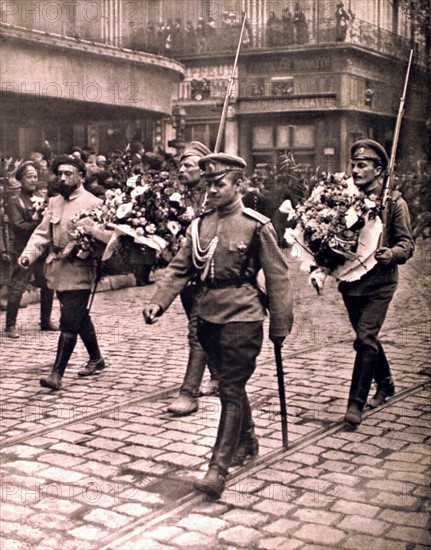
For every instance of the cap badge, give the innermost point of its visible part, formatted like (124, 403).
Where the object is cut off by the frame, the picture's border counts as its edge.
(210, 167)
(361, 150)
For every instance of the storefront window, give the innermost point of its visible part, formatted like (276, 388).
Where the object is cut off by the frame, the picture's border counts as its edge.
(268, 142)
(303, 137)
(263, 137)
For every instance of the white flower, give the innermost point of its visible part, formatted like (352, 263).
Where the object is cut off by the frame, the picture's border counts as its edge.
(175, 197)
(174, 227)
(131, 182)
(124, 210)
(139, 190)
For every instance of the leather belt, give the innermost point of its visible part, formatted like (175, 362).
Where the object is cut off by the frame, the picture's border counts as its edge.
(229, 283)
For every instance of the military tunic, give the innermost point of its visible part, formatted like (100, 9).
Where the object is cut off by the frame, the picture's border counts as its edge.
(55, 231)
(234, 244)
(246, 243)
(367, 301)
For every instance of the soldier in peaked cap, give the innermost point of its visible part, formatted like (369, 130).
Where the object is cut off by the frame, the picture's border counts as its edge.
(22, 224)
(226, 247)
(367, 299)
(368, 149)
(187, 400)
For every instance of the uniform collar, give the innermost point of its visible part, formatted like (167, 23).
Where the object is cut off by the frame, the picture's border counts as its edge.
(76, 194)
(231, 208)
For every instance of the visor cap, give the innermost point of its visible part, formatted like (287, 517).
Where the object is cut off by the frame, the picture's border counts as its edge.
(217, 165)
(22, 168)
(368, 149)
(195, 149)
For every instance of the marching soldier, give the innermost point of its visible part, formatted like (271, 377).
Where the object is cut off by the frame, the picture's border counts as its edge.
(186, 403)
(71, 277)
(226, 247)
(367, 299)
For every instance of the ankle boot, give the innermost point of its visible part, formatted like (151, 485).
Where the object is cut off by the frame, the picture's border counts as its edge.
(183, 405)
(363, 373)
(65, 347)
(89, 338)
(383, 379)
(12, 307)
(11, 332)
(213, 483)
(46, 299)
(381, 395)
(353, 415)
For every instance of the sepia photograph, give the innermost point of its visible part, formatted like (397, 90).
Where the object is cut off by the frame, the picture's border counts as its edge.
(215, 274)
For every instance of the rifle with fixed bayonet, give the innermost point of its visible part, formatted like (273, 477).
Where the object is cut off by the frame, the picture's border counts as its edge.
(387, 187)
(229, 90)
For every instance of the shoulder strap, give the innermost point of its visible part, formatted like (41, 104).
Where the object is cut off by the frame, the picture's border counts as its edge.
(256, 215)
(395, 195)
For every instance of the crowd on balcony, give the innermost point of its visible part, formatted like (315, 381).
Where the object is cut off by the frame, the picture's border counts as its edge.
(291, 28)
(176, 37)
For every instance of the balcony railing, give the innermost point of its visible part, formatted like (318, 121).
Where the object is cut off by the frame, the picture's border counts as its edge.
(225, 40)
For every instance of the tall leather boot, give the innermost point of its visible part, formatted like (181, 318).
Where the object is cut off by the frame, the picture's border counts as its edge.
(248, 445)
(187, 402)
(46, 299)
(211, 387)
(12, 307)
(363, 373)
(89, 338)
(383, 379)
(66, 345)
(213, 483)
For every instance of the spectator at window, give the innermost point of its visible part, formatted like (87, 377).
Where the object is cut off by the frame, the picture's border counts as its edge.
(342, 22)
(287, 27)
(190, 37)
(201, 36)
(273, 30)
(300, 25)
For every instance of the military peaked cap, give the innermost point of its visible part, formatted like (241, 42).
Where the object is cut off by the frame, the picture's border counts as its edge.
(22, 167)
(66, 159)
(218, 165)
(368, 149)
(195, 149)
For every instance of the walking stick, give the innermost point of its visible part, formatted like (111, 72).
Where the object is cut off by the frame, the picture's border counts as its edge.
(96, 283)
(281, 393)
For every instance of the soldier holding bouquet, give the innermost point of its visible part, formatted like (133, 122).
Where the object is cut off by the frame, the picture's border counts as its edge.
(367, 299)
(69, 275)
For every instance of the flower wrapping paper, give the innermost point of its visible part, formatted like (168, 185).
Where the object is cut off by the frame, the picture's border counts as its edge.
(337, 230)
(149, 209)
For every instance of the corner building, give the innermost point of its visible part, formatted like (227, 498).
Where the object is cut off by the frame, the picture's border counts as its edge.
(308, 81)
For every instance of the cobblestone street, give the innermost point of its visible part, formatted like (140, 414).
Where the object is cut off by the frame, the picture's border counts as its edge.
(102, 465)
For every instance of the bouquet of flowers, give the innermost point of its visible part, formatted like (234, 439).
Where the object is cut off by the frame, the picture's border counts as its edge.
(38, 207)
(152, 210)
(337, 230)
(85, 244)
(149, 209)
